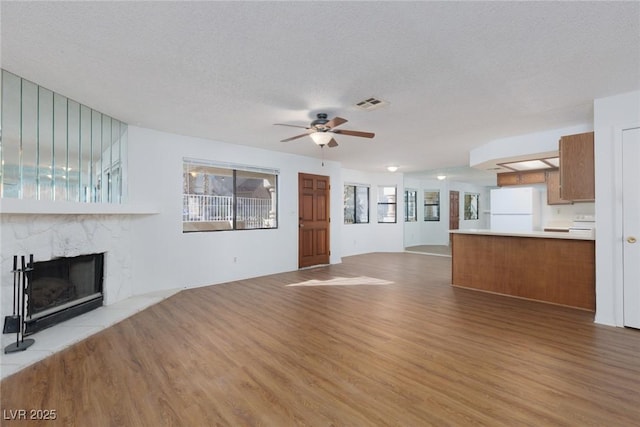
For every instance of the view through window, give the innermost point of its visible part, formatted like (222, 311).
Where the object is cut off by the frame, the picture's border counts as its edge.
(432, 205)
(228, 197)
(410, 205)
(356, 204)
(387, 204)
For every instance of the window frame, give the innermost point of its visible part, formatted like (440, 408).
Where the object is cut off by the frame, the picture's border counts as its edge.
(356, 198)
(410, 194)
(388, 204)
(236, 216)
(471, 206)
(431, 218)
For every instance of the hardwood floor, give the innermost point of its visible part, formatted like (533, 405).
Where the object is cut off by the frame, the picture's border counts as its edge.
(382, 339)
(443, 250)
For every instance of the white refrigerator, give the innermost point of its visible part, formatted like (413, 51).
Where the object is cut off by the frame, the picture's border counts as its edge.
(515, 209)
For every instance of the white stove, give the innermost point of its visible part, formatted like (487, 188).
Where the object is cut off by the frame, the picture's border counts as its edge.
(584, 225)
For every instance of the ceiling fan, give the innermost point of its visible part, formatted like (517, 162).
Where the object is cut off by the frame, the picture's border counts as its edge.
(321, 130)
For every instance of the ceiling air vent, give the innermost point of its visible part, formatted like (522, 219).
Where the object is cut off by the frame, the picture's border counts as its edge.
(371, 104)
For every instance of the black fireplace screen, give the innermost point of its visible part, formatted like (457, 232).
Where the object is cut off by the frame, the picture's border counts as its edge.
(60, 282)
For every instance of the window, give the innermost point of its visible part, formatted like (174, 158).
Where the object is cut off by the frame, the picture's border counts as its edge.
(387, 204)
(471, 205)
(410, 204)
(356, 204)
(227, 197)
(432, 205)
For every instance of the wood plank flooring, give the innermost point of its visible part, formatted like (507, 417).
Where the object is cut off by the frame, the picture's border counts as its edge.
(443, 250)
(350, 351)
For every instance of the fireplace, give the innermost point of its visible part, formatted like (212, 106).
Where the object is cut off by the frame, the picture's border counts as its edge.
(62, 288)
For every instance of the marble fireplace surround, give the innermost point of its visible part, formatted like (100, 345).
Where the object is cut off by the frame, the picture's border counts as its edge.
(56, 229)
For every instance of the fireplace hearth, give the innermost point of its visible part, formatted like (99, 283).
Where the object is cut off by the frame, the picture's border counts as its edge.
(62, 288)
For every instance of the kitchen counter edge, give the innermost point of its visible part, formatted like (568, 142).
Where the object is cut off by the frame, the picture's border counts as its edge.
(538, 234)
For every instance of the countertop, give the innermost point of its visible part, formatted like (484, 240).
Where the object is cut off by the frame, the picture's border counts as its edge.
(539, 234)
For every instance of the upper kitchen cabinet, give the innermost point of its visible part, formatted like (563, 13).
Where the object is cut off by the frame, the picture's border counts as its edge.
(577, 174)
(520, 178)
(553, 189)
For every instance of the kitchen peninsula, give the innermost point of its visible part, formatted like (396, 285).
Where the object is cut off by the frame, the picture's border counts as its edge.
(554, 267)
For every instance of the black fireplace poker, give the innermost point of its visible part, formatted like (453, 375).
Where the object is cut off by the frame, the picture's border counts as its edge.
(12, 323)
(15, 322)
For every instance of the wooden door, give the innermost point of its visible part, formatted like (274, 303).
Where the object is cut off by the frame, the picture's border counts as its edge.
(454, 210)
(631, 226)
(313, 231)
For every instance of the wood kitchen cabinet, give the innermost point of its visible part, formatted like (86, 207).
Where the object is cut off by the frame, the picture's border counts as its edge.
(508, 178)
(553, 189)
(520, 178)
(577, 173)
(533, 177)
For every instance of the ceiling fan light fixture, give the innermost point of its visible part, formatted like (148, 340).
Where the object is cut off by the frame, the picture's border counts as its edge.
(321, 138)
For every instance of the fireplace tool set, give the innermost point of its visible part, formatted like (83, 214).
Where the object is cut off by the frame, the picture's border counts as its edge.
(15, 322)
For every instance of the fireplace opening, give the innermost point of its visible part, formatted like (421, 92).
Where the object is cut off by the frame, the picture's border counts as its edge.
(62, 288)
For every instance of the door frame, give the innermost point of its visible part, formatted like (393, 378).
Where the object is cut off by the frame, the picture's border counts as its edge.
(451, 192)
(457, 205)
(609, 254)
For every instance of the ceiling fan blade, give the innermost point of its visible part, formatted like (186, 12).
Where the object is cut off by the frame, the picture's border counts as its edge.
(354, 133)
(292, 126)
(336, 121)
(294, 137)
(333, 143)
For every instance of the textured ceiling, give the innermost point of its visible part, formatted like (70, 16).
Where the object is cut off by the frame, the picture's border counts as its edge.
(456, 74)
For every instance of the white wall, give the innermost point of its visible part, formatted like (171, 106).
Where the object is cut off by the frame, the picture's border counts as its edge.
(522, 146)
(413, 230)
(611, 116)
(484, 205)
(559, 215)
(562, 214)
(149, 252)
(373, 237)
(437, 232)
(167, 258)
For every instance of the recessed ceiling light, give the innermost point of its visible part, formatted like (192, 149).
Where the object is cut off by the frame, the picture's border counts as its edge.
(441, 177)
(392, 168)
(534, 164)
(555, 161)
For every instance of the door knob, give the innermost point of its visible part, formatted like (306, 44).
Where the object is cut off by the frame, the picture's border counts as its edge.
(631, 239)
(301, 225)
